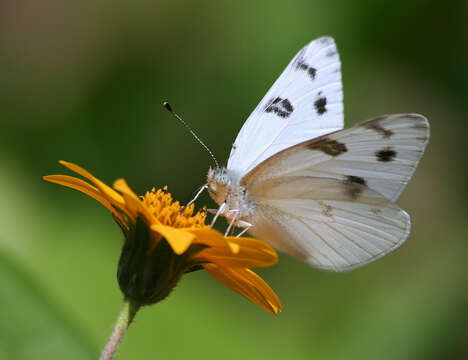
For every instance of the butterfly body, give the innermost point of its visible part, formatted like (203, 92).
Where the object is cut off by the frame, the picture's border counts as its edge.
(224, 188)
(296, 179)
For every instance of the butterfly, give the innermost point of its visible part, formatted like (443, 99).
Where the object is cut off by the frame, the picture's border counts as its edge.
(296, 179)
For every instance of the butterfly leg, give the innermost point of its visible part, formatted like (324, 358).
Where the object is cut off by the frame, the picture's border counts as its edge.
(246, 227)
(196, 196)
(219, 212)
(233, 221)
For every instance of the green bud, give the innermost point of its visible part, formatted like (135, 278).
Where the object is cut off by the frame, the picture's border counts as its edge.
(148, 268)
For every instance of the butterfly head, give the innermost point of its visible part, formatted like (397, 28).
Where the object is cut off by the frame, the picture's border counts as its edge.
(219, 182)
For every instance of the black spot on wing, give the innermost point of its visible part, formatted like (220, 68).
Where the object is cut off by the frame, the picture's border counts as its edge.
(355, 180)
(301, 65)
(320, 104)
(287, 105)
(354, 186)
(386, 155)
(375, 125)
(312, 72)
(281, 107)
(331, 52)
(328, 146)
(325, 40)
(300, 57)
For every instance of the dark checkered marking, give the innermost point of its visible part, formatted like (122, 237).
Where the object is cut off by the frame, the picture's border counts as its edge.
(320, 104)
(374, 124)
(386, 155)
(331, 52)
(328, 146)
(354, 185)
(301, 65)
(279, 106)
(351, 179)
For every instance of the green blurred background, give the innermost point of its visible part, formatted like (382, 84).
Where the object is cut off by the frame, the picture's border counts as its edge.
(84, 81)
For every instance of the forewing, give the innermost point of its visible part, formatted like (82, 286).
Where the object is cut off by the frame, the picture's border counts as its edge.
(330, 224)
(380, 153)
(305, 102)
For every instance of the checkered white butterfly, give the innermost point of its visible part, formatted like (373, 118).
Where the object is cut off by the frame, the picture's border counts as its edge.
(296, 179)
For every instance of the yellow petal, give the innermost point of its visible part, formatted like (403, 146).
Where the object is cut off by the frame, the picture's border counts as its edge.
(251, 253)
(214, 239)
(84, 187)
(254, 248)
(208, 235)
(248, 284)
(131, 200)
(106, 190)
(243, 259)
(235, 248)
(179, 240)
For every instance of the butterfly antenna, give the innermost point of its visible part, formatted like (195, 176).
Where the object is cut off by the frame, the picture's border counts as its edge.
(169, 108)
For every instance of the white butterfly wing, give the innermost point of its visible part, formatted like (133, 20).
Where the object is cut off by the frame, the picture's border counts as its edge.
(381, 153)
(329, 200)
(327, 224)
(305, 102)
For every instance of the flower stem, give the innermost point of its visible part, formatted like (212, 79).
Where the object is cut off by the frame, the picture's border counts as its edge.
(124, 320)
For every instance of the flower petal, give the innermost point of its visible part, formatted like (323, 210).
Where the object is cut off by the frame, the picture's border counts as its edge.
(80, 185)
(84, 187)
(235, 252)
(235, 248)
(106, 190)
(214, 239)
(179, 240)
(248, 284)
(134, 204)
(247, 257)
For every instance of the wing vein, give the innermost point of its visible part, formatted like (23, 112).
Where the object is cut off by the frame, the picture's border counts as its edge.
(325, 242)
(349, 239)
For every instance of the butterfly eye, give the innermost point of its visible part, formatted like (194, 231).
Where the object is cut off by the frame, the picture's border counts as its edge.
(222, 178)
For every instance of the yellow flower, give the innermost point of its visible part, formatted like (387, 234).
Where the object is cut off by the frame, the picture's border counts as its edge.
(163, 241)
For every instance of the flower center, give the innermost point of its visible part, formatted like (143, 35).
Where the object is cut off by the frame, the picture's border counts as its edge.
(168, 212)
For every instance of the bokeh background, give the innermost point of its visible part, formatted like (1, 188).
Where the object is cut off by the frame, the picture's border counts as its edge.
(84, 81)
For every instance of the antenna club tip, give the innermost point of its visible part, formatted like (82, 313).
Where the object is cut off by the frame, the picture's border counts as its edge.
(167, 106)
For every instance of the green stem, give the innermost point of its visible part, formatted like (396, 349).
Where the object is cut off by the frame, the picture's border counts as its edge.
(123, 322)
